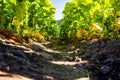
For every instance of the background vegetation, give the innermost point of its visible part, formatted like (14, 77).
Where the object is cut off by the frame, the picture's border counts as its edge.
(29, 18)
(88, 18)
(83, 19)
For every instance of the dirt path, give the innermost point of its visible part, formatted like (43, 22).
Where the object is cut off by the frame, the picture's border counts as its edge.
(38, 61)
(58, 57)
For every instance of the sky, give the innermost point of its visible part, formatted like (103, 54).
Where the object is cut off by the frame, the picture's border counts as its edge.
(59, 5)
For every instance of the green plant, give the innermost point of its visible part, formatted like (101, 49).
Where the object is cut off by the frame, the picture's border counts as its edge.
(82, 14)
(2, 17)
(20, 15)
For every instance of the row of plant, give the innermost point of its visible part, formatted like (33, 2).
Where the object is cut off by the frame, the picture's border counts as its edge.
(29, 18)
(86, 19)
(83, 19)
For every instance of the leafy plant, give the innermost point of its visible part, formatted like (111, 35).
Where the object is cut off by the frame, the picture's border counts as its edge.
(25, 15)
(85, 14)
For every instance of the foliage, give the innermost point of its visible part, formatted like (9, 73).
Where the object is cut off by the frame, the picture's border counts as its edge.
(83, 19)
(38, 15)
(33, 34)
(41, 17)
(90, 17)
(2, 17)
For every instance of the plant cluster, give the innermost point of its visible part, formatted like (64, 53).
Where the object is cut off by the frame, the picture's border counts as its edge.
(30, 18)
(84, 19)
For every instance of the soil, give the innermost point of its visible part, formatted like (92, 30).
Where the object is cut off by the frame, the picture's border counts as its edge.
(103, 58)
(39, 61)
(51, 60)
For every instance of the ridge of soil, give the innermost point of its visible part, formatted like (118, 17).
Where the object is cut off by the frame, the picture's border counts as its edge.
(103, 58)
(80, 60)
(37, 61)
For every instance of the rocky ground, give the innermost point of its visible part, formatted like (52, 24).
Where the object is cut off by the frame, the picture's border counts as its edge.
(81, 60)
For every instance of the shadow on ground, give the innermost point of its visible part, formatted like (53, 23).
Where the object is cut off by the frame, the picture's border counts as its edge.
(21, 63)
